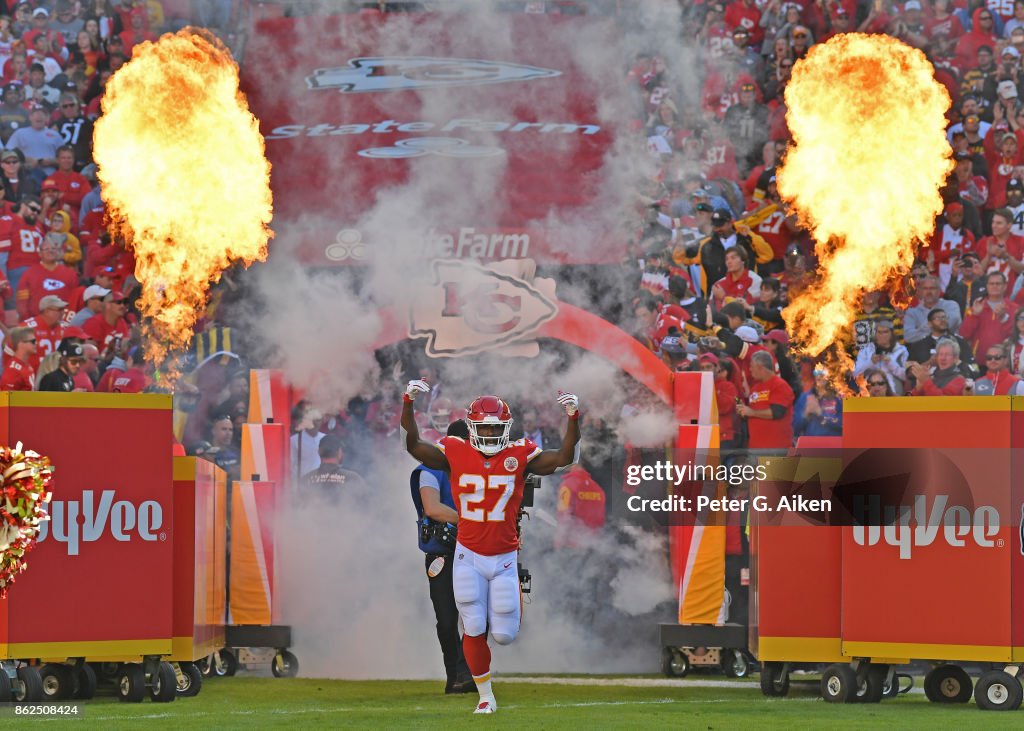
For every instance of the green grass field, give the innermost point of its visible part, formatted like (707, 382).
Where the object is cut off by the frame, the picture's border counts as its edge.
(255, 702)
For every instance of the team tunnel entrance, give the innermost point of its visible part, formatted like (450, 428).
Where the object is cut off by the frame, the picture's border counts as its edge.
(696, 553)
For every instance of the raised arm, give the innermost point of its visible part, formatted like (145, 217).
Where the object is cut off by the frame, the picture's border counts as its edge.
(422, 451)
(551, 460)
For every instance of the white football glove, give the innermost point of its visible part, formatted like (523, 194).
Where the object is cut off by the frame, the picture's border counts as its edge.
(415, 388)
(570, 402)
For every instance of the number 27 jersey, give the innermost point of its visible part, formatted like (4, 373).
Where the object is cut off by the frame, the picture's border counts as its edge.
(488, 491)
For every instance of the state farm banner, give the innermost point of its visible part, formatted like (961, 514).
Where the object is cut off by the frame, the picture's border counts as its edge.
(469, 136)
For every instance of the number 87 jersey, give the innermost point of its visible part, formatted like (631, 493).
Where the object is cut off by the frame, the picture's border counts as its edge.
(488, 490)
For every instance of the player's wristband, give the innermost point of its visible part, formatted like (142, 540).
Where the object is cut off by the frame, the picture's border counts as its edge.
(575, 416)
(407, 398)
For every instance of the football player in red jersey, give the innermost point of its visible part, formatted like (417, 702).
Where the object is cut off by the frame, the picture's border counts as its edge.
(488, 476)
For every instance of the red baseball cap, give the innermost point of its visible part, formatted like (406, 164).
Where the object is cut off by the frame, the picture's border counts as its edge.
(779, 336)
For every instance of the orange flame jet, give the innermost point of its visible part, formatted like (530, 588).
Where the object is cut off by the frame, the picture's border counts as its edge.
(869, 156)
(184, 177)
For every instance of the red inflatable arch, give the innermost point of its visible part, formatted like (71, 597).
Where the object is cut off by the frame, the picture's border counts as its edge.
(697, 556)
(583, 329)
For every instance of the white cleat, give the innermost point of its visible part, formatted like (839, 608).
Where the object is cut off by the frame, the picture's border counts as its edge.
(486, 705)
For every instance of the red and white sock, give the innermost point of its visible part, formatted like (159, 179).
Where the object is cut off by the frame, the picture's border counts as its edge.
(478, 658)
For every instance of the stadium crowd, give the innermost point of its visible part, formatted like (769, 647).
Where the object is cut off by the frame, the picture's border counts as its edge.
(70, 322)
(719, 254)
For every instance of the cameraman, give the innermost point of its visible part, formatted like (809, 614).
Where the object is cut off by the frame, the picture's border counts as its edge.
(436, 518)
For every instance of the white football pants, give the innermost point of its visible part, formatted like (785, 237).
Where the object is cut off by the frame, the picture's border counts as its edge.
(487, 593)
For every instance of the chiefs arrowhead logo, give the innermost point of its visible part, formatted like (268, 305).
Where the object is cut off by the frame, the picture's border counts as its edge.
(398, 73)
(52, 285)
(474, 308)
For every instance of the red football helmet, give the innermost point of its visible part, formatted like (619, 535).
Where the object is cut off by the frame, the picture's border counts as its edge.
(489, 411)
(441, 413)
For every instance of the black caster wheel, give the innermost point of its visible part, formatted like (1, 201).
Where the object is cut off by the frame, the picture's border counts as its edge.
(284, 665)
(774, 679)
(948, 684)
(85, 681)
(675, 663)
(871, 684)
(163, 684)
(735, 663)
(58, 682)
(107, 672)
(131, 683)
(190, 680)
(839, 684)
(998, 691)
(28, 688)
(225, 664)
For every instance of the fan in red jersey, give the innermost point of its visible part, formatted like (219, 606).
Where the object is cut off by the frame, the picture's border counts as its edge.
(488, 476)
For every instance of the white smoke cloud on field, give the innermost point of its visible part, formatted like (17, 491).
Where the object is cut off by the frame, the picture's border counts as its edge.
(355, 590)
(353, 585)
(594, 608)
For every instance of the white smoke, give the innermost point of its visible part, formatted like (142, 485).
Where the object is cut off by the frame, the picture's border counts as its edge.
(354, 588)
(648, 428)
(354, 584)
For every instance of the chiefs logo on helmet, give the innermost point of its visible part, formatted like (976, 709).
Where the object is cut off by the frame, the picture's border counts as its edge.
(494, 417)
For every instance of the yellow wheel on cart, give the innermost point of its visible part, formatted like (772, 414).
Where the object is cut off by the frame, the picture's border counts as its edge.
(284, 665)
(224, 663)
(190, 679)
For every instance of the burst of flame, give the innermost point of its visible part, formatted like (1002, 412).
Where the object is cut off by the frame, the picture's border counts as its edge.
(184, 177)
(864, 172)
